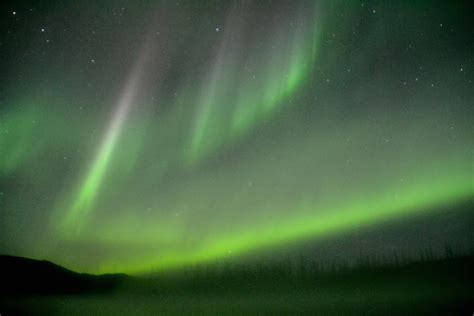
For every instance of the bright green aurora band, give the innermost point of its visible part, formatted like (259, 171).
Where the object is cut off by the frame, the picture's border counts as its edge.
(259, 147)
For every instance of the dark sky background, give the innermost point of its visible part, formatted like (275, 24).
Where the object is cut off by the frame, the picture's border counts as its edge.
(142, 135)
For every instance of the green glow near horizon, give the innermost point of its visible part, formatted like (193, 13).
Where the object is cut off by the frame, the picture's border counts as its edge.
(408, 202)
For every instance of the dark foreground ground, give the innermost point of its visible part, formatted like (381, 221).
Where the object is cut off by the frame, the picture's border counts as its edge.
(427, 287)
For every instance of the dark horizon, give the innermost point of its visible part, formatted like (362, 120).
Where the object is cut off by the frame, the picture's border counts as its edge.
(441, 285)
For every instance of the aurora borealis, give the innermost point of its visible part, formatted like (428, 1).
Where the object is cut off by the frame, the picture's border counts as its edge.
(151, 135)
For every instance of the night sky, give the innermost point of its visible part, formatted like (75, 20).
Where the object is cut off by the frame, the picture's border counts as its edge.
(142, 135)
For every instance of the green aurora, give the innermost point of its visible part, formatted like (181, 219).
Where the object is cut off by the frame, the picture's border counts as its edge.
(278, 123)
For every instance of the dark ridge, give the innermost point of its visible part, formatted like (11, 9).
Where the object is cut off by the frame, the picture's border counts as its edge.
(28, 276)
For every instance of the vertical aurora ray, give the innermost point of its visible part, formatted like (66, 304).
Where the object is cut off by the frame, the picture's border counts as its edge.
(286, 73)
(84, 201)
(228, 108)
(209, 128)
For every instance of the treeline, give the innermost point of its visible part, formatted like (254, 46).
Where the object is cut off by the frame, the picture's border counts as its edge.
(304, 273)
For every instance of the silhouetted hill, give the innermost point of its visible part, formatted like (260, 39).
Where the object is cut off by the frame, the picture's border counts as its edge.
(27, 276)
